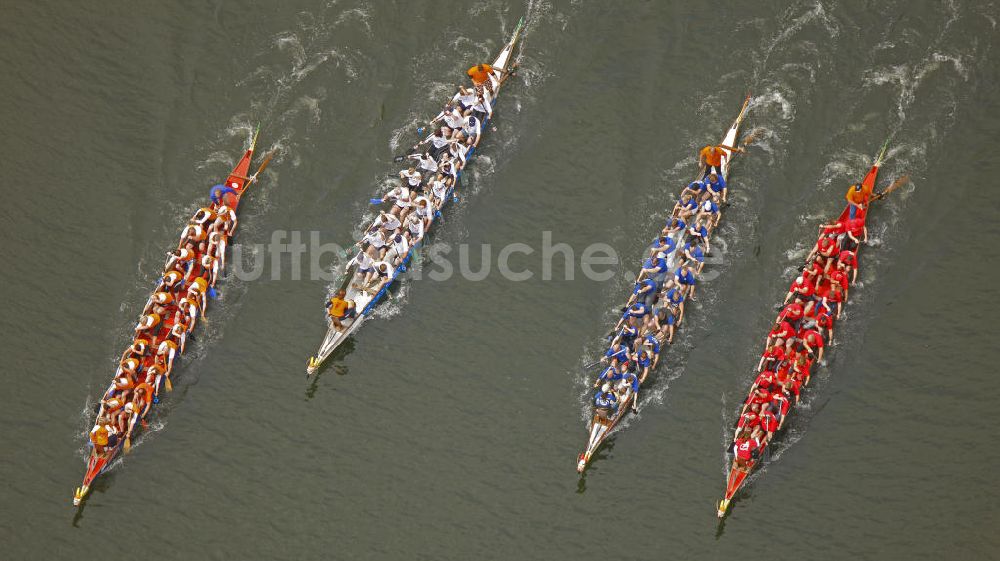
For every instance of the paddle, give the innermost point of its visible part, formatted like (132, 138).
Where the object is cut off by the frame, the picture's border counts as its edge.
(895, 185)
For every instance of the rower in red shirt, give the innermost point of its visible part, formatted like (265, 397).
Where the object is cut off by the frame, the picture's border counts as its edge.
(803, 368)
(856, 230)
(781, 330)
(748, 420)
(772, 356)
(850, 261)
(835, 300)
(759, 397)
(802, 288)
(768, 421)
(780, 404)
(745, 448)
(813, 342)
(839, 276)
(765, 380)
(792, 313)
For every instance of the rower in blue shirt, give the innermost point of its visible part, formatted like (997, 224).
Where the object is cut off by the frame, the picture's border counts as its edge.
(686, 280)
(695, 189)
(693, 252)
(610, 375)
(663, 244)
(605, 401)
(627, 335)
(699, 232)
(708, 210)
(631, 380)
(655, 268)
(643, 290)
(644, 360)
(717, 185)
(617, 353)
(673, 226)
(654, 345)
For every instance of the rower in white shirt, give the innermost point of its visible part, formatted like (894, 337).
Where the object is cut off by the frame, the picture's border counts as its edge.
(425, 162)
(402, 200)
(411, 176)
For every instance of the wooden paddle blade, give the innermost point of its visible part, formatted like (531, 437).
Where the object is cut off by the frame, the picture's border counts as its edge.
(895, 185)
(266, 161)
(750, 137)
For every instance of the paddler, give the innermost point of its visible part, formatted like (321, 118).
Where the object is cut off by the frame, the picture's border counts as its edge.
(745, 448)
(226, 220)
(768, 421)
(148, 322)
(339, 309)
(630, 381)
(605, 401)
(716, 185)
(196, 291)
(217, 247)
(711, 157)
(103, 435)
(181, 255)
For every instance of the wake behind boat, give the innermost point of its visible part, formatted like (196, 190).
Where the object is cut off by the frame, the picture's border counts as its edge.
(415, 204)
(802, 330)
(656, 307)
(171, 312)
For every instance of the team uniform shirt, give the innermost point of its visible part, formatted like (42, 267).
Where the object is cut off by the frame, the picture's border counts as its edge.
(812, 338)
(768, 421)
(471, 126)
(748, 420)
(698, 230)
(792, 312)
(805, 289)
(427, 163)
(655, 266)
(645, 286)
(675, 225)
(745, 448)
(412, 178)
(467, 99)
(618, 352)
(439, 141)
(695, 252)
(674, 298)
(638, 310)
(653, 342)
(364, 262)
(390, 222)
(610, 374)
(630, 379)
(827, 246)
(775, 354)
(783, 331)
(645, 360)
(606, 400)
(848, 258)
(780, 402)
(453, 119)
(716, 186)
(665, 245)
(685, 278)
(697, 186)
(765, 380)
